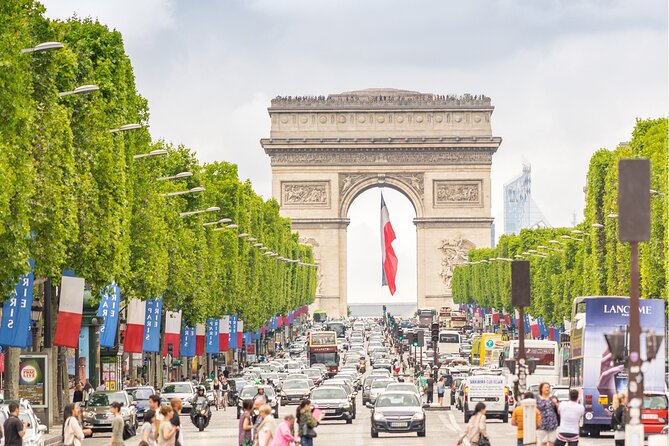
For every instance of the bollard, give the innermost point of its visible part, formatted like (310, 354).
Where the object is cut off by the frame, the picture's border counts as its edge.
(529, 421)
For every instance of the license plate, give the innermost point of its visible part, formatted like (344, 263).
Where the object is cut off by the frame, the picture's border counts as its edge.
(649, 416)
(398, 424)
(328, 411)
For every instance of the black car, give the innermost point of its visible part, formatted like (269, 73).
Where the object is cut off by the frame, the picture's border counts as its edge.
(250, 391)
(140, 396)
(333, 402)
(397, 412)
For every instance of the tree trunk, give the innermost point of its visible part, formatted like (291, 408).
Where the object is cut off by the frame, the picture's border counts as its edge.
(11, 387)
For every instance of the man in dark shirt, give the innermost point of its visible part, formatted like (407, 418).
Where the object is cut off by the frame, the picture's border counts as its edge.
(429, 388)
(13, 427)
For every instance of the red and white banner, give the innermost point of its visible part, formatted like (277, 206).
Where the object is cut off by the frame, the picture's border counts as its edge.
(388, 257)
(172, 332)
(240, 333)
(199, 339)
(70, 308)
(224, 334)
(134, 332)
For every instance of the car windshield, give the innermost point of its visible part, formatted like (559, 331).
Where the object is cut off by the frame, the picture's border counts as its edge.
(25, 418)
(251, 391)
(655, 402)
(380, 384)
(401, 387)
(104, 399)
(397, 400)
(141, 393)
(295, 384)
(293, 365)
(240, 384)
(312, 373)
(177, 388)
(328, 394)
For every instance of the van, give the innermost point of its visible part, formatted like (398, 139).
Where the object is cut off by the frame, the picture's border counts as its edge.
(489, 389)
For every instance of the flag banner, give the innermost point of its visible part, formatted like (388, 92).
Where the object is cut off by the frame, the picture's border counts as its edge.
(212, 340)
(388, 257)
(16, 313)
(154, 316)
(200, 330)
(188, 342)
(240, 332)
(134, 332)
(70, 308)
(172, 332)
(108, 310)
(224, 334)
(233, 344)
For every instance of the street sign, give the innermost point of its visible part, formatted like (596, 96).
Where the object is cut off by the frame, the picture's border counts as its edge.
(489, 343)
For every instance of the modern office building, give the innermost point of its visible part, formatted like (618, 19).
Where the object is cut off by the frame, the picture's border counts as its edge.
(520, 211)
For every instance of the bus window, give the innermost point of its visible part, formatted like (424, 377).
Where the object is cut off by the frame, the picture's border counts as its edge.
(449, 338)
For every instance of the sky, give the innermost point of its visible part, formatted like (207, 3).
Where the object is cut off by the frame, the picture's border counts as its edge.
(566, 77)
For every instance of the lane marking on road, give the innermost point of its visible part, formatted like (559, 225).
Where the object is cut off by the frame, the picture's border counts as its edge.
(452, 418)
(446, 422)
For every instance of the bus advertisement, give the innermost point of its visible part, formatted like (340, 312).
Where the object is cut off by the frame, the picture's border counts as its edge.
(591, 367)
(546, 354)
(458, 320)
(482, 345)
(323, 350)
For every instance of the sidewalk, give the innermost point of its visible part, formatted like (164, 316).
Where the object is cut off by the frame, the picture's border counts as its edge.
(54, 436)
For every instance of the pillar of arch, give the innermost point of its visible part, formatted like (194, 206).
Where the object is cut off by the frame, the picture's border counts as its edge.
(436, 150)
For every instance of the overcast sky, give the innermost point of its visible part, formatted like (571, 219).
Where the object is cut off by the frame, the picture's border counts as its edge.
(566, 77)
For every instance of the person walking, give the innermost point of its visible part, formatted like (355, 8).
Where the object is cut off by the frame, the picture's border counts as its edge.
(245, 424)
(117, 425)
(284, 432)
(548, 408)
(441, 388)
(13, 428)
(148, 431)
(619, 418)
(216, 387)
(167, 431)
(73, 434)
(176, 421)
(475, 431)
(78, 395)
(267, 426)
(225, 391)
(517, 418)
(429, 388)
(571, 413)
(306, 423)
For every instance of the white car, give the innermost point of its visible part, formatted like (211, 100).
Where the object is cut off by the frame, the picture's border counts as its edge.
(34, 432)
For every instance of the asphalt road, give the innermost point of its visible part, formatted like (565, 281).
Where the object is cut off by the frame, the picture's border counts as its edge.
(442, 428)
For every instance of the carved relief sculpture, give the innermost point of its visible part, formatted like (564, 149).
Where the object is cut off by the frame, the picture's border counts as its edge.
(454, 253)
(451, 192)
(304, 193)
(412, 180)
(317, 259)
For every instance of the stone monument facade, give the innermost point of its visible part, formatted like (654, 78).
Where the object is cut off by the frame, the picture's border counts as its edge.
(436, 150)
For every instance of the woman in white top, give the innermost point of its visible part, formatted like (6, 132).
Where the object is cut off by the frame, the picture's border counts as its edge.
(267, 428)
(476, 427)
(72, 431)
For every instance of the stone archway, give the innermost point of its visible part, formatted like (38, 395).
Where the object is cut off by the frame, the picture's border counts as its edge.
(436, 150)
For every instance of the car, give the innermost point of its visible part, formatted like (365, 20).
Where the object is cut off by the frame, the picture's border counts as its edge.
(382, 364)
(315, 375)
(654, 412)
(397, 412)
(35, 431)
(460, 394)
(141, 395)
(296, 376)
(236, 385)
(250, 391)
(183, 390)
(294, 391)
(333, 402)
(492, 390)
(97, 416)
(403, 387)
(560, 392)
(454, 388)
(378, 386)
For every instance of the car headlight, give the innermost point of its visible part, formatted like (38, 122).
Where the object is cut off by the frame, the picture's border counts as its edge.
(88, 414)
(418, 416)
(379, 417)
(345, 405)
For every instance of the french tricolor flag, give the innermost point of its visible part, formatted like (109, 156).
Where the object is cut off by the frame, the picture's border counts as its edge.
(388, 257)
(224, 334)
(199, 339)
(172, 332)
(240, 333)
(70, 308)
(134, 332)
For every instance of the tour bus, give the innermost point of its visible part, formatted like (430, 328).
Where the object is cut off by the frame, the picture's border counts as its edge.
(425, 317)
(445, 317)
(483, 343)
(449, 342)
(591, 368)
(336, 326)
(323, 350)
(320, 316)
(545, 353)
(458, 320)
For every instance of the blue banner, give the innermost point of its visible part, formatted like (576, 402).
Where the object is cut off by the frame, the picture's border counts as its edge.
(108, 310)
(211, 337)
(187, 347)
(154, 316)
(233, 332)
(16, 313)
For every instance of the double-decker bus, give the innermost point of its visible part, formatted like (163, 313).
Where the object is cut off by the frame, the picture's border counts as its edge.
(591, 367)
(458, 320)
(445, 317)
(323, 350)
(320, 316)
(425, 316)
(545, 353)
(336, 326)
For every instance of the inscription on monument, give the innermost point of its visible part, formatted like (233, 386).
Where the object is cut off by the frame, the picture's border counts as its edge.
(311, 193)
(457, 193)
(383, 158)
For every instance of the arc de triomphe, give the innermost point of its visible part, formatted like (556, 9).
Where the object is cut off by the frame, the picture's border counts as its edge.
(436, 150)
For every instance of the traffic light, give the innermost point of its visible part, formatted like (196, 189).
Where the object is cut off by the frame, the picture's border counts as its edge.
(411, 338)
(384, 309)
(434, 330)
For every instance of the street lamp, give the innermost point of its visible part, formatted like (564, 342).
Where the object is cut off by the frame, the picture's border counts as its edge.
(176, 177)
(555, 242)
(79, 90)
(46, 46)
(201, 211)
(264, 248)
(257, 245)
(217, 222)
(612, 215)
(36, 312)
(184, 192)
(251, 239)
(242, 235)
(151, 153)
(597, 225)
(125, 128)
(232, 226)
